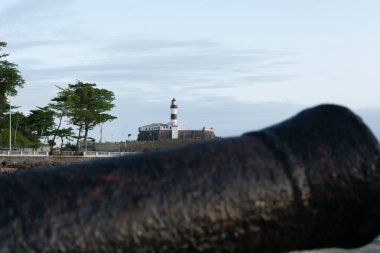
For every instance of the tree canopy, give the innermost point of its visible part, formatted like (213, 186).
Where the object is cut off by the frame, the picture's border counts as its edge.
(10, 79)
(81, 104)
(86, 106)
(41, 121)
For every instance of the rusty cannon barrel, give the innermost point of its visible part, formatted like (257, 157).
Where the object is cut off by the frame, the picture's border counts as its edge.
(309, 182)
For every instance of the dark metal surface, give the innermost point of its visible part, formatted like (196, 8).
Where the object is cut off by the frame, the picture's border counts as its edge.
(309, 182)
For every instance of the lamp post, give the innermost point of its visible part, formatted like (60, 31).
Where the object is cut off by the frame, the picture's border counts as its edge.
(10, 128)
(15, 135)
(101, 133)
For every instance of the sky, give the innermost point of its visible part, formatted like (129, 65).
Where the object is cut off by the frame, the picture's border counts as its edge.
(236, 66)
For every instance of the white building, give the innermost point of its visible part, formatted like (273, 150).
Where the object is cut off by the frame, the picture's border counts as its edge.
(171, 130)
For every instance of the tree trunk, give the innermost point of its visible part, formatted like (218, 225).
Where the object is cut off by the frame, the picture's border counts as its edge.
(78, 140)
(55, 134)
(3, 109)
(85, 138)
(61, 145)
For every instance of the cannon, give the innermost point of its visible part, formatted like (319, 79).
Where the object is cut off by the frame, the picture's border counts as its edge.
(312, 181)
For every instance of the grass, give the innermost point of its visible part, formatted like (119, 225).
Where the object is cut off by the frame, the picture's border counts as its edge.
(21, 140)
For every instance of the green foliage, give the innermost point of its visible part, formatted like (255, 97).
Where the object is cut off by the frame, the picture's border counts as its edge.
(2, 45)
(21, 127)
(22, 141)
(64, 133)
(81, 104)
(59, 108)
(10, 80)
(41, 121)
(86, 106)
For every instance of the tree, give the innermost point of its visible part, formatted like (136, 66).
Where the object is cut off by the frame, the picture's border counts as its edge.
(23, 134)
(64, 133)
(60, 110)
(18, 124)
(10, 80)
(41, 122)
(46, 123)
(86, 107)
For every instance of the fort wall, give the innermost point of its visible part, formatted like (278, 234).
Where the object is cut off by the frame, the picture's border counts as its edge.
(155, 135)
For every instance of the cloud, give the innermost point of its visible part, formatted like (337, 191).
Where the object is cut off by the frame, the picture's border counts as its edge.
(139, 43)
(160, 67)
(144, 71)
(148, 72)
(24, 10)
(31, 23)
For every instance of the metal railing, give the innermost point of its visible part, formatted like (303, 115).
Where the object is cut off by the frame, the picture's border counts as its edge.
(23, 153)
(65, 153)
(106, 154)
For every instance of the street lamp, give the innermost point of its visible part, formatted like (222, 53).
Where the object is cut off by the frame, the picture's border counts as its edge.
(10, 128)
(15, 135)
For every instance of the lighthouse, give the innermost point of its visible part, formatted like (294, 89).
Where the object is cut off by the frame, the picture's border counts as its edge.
(172, 130)
(173, 115)
(173, 119)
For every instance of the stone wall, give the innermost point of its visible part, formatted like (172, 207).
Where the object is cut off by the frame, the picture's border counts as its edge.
(196, 134)
(155, 135)
(29, 162)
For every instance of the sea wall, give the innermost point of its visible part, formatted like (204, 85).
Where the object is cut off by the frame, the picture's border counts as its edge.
(29, 162)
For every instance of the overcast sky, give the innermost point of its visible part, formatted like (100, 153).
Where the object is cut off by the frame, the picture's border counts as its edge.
(232, 65)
